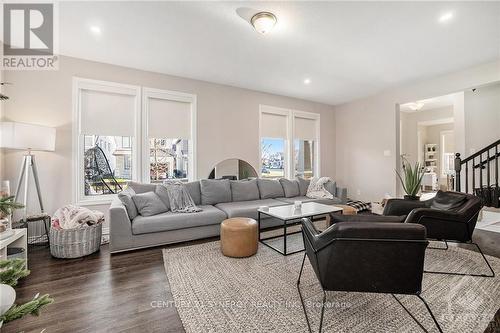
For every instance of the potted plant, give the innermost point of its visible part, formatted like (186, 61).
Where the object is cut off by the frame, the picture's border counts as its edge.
(7, 206)
(411, 179)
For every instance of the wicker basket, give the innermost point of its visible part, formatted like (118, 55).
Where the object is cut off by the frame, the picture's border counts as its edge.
(75, 243)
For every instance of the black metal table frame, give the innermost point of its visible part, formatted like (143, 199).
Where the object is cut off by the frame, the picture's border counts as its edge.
(285, 234)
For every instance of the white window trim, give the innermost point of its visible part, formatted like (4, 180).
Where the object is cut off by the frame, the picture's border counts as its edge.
(78, 187)
(290, 139)
(171, 96)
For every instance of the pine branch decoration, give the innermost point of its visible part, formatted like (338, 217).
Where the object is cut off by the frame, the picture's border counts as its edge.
(12, 270)
(32, 307)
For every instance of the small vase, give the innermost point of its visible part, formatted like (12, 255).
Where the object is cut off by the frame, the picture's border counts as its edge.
(412, 197)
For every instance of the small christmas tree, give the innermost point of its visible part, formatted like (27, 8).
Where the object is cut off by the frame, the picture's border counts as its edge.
(10, 272)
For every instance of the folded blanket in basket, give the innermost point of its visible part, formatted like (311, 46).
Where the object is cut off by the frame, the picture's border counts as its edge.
(72, 217)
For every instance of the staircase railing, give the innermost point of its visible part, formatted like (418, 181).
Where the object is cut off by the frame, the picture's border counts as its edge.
(480, 169)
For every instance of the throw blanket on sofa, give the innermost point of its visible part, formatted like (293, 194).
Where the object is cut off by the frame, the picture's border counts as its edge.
(316, 189)
(180, 199)
(72, 217)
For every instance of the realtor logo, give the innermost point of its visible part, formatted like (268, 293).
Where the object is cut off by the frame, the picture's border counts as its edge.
(28, 35)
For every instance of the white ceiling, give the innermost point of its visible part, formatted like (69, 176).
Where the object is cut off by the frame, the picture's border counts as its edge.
(348, 49)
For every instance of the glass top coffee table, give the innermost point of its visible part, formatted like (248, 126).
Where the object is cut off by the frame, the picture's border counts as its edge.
(290, 216)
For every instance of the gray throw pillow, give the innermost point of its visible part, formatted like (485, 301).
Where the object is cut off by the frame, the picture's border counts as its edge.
(270, 188)
(125, 197)
(214, 191)
(303, 185)
(331, 187)
(290, 187)
(194, 191)
(244, 190)
(141, 187)
(149, 203)
(162, 193)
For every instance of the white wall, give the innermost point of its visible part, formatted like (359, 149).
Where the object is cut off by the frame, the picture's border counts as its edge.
(228, 119)
(482, 119)
(367, 127)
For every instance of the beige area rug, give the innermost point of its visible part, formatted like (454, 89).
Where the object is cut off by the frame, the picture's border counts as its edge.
(213, 293)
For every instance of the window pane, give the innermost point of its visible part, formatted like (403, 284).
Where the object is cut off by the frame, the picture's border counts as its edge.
(107, 164)
(168, 159)
(304, 158)
(273, 158)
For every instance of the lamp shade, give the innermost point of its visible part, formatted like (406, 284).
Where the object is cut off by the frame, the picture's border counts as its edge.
(27, 136)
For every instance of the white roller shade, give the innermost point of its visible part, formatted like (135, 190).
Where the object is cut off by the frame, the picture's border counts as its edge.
(107, 113)
(305, 129)
(169, 119)
(273, 126)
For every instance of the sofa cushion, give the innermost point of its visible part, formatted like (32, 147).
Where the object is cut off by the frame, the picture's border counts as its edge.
(325, 201)
(246, 208)
(303, 185)
(270, 188)
(214, 191)
(290, 187)
(447, 200)
(149, 203)
(174, 221)
(141, 187)
(161, 192)
(194, 191)
(244, 190)
(331, 187)
(125, 197)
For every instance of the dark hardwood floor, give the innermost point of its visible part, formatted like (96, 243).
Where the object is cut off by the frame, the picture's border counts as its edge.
(115, 293)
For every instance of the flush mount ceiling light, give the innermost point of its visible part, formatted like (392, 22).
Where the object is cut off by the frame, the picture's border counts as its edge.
(416, 106)
(307, 81)
(263, 22)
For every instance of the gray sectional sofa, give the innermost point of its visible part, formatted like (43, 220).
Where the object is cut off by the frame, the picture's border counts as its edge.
(141, 217)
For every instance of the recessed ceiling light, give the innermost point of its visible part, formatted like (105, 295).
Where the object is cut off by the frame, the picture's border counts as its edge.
(307, 81)
(446, 17)
(95, 30)
(263, 22)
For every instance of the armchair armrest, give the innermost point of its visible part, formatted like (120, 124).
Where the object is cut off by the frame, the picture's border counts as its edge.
(416, 215)
(399, 207)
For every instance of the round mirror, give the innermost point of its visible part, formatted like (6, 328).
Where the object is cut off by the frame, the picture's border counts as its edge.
(233, 169)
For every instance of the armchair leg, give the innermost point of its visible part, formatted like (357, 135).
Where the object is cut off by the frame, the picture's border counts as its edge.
(302, 300)
(322, 311)
(430, 312)
(440, 248)
(415, 319)
(468, 274)
(300, 294)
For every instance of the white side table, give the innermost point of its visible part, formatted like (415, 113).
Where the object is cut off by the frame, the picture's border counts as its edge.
(18, 239)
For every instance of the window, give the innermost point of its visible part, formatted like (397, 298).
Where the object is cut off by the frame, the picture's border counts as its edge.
(105, 128)
(305, 133)
(273, 158)
(116, 169)
(304, 158)
(169, 159)
(283, 131)
(169, 130)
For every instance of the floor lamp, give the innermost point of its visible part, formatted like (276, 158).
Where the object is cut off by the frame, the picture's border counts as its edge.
(29, 138)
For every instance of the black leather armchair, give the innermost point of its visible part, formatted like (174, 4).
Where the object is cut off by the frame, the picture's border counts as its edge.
(448, 217)
(373, 257)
